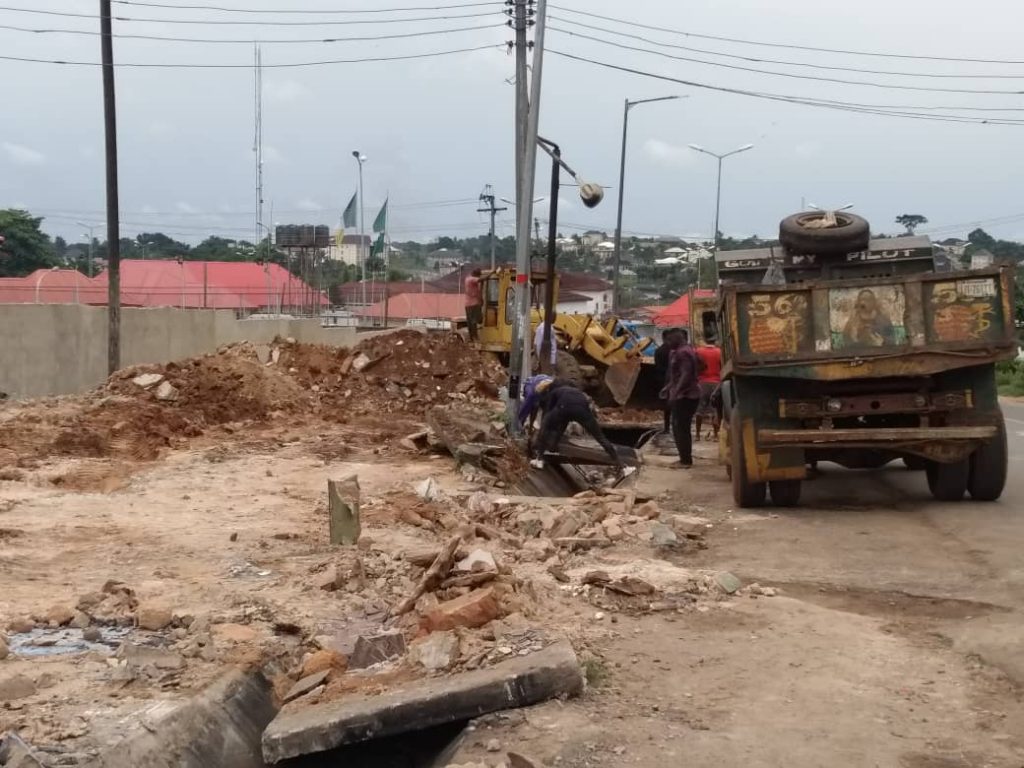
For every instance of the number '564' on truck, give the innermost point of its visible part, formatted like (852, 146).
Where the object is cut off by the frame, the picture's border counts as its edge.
(845, 349)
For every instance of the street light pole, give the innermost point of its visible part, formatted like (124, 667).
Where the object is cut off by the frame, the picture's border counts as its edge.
(90, 227)
(361, 158)
(718, 191)
(622, 180)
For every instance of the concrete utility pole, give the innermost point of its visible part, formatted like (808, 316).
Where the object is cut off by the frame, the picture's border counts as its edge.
(487, 197)
(524, 190)
(113, 222)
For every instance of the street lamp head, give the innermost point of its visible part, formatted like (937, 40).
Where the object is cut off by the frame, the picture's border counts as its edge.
(358, 155)
(697, 147)
(745, 147)
(591, 194)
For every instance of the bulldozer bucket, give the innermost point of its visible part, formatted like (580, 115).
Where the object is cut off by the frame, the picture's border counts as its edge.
(621, 379)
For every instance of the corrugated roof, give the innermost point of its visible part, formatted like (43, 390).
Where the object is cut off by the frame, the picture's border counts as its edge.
(678, 312)
(440, 306)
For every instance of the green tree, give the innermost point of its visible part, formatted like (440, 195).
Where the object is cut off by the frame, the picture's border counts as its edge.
(911, 221)
(26, 247)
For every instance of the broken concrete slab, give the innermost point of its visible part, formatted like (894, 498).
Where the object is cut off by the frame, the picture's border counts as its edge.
(16, 687)
(147, 380)
(220, 726)
(477, 560)
(728, 583)
(15, 753)
(343, 507)
(436, 652)
(517, 683)
(377, 648)
(145, 656)
(166, 392)
(306, 684)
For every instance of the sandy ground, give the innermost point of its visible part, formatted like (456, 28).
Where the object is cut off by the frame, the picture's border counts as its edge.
(890, 640)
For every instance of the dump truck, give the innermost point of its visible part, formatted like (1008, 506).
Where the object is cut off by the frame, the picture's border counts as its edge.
(841, 348)
(602, 357)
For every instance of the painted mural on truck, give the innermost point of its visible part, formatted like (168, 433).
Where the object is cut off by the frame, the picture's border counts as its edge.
(777, 323)
(867, 317)
(964, 310)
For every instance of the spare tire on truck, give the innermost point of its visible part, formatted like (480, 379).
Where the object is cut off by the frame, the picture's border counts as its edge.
(807, 233)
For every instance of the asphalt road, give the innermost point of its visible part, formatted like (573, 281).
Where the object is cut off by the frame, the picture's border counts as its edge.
(881, 532)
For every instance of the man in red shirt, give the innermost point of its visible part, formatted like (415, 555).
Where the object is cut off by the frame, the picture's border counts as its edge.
(710, 378)
(474, 304)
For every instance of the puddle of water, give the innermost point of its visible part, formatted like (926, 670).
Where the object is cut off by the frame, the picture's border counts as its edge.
(41, 642)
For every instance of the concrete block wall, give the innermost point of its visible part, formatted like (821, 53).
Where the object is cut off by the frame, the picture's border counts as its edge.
(61, 349)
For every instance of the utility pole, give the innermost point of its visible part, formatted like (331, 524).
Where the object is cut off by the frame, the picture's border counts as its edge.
(487, 198)
(113, 223)
(524, 192)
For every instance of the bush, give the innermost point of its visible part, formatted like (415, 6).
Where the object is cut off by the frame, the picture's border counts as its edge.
(1010, 378)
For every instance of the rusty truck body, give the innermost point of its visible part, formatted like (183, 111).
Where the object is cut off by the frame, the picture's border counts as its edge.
(862, 358)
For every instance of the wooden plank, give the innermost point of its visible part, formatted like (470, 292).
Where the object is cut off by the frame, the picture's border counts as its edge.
(903, 435)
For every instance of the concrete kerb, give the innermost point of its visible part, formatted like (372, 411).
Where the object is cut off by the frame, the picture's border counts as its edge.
(220, 727)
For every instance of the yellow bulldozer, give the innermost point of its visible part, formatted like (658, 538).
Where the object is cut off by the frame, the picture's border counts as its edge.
(604, 358)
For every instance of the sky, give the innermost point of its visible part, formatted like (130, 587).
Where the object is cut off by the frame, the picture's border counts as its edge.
(436, 130)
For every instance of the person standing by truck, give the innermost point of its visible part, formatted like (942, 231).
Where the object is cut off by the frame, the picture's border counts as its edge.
(710, 378)
(683, 394)
(669, 341)
(474, 304)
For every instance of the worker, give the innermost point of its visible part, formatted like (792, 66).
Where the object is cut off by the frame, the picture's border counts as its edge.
(538, 342)
(474, 304)
(669, 341)
(561, 404)
(710, 377)
(683, 393)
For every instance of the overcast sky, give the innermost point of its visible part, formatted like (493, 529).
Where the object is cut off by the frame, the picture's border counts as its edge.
(439, 129)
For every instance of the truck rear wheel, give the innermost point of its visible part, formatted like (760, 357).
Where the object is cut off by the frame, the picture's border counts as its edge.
(744, 492)
(785, 493)
(989, 466)
(802, 233)
(948, 482)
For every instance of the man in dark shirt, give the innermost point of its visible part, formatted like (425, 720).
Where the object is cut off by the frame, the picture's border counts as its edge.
(683, 393)
(669, 341)
(561, 404)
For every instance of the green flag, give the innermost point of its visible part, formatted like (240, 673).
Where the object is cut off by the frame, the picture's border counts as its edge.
(381, 222)
(377, 249)
(348, 218)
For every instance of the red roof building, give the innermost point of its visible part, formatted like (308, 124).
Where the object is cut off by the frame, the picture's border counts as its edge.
(428, 306)
(677, 314)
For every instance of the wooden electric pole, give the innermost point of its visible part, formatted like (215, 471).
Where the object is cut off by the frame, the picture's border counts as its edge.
(113, 222)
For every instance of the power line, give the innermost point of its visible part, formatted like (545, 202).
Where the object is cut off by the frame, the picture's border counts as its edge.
(791, 75)
(761, 60)
(787, 45)
(290, 65)
(66, 14)
(806, 101)
(303, 11)
(128, 36)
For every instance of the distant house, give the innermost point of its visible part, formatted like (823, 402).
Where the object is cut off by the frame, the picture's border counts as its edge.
(982, 259)
(349, 250)
(592, 238)
(597, 290)
(362, 294)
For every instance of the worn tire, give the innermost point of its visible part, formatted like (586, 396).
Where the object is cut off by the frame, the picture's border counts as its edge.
(785, 493)
(744, 493)
(567, 368)
(852, 234)
(948, 482)
(989, 465)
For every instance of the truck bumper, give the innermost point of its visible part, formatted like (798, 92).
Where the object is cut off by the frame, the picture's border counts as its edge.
(811, 438)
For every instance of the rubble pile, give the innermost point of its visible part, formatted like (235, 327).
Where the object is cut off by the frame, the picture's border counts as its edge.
(145, 409)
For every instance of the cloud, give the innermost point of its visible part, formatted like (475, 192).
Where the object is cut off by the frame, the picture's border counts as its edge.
(806, 150)
(306, 204)
(160, 130)
(186, 207)
(272, 154)
(672, 154)
(21, 155)
(285, 91)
